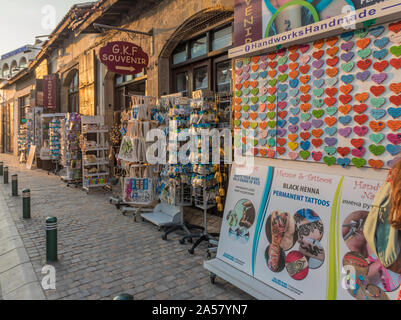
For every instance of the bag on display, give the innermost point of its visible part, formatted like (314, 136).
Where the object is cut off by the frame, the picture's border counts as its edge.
(381, 236)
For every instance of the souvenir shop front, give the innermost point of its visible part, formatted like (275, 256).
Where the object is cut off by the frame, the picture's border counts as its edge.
(316, 117)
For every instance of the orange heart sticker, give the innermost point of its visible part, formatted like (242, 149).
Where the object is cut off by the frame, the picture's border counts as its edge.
(238, 100)
(272, 90)
(246, 84)
(293, 74)
(332, 72)
(255, 67)
(345, 109)
(305, 107)
(362, 97)
(376, 164)
(378, 126)
(346, 88)
(304, 79)
(293, 48)
(395, 87)
(244, 140)
(254, 84)
(272, 73)
(318, 44)
(263, 125)
(331, 41)
(332, 51)
(238, 108)
(305, 89)
(330, 121)
(263, 152)
(394, 125)
(245, 124)
(237, 115)
(292, 137)
(255, 59)
(271, 106)
(363, 43)
(271, 153)
(317, 133)
(293, 65)
(253, 115)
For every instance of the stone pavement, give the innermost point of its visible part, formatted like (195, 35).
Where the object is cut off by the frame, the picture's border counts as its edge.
(103, 253)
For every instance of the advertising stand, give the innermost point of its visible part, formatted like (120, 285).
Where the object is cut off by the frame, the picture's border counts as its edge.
(317, 105)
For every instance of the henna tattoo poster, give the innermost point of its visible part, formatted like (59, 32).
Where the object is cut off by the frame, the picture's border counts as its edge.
(297, 229)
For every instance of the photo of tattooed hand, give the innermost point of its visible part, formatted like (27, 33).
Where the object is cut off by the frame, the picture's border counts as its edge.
(275, 258)
(241, 220)
(309, 225)
(280, 229)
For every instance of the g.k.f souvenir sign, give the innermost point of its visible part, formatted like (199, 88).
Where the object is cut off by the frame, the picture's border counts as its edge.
(124, 58)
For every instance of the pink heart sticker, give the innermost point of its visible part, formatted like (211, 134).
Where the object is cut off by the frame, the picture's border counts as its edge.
(281, 104)
(293, 155)
(304, 59)
(358, 152)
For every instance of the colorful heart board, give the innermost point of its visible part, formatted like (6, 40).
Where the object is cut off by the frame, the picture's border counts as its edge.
(335, 101)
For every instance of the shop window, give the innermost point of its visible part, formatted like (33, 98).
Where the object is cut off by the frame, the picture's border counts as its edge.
(223, 74)
(201, 78)
(198, 47)
(222, 38)
(23, 63)
(125, 85)
(73, 94)
(23, 103)
(180, 54)
(6, 70)
(181, 83)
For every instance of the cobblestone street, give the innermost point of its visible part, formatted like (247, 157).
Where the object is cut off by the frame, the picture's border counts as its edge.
(103, 253)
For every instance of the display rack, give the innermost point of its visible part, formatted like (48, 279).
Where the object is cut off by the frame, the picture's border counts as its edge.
(94, 148)
(33, 126)
(71, 157)
(22, 143)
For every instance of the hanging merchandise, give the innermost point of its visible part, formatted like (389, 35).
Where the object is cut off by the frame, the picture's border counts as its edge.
(139, 183)
(94, 148)
(33, 124)
(71, 157)
(22, 143)
(54, 137)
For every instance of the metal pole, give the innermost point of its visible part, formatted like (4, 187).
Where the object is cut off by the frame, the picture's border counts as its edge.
(51, 239)
(26, 204)
(5, 172)
(124, 296)
(14, 182)
(1, 168)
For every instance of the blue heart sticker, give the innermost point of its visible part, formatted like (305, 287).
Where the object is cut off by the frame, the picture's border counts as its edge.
(344, 162)
(294, 111)
(381, 54)
(282, 96)
(381, 43)
(293, 120)
(254, 76)
(394, 112)
(331, 131)
(345, 120)
(376, 31)
(272, 133)
(378, 113)
(305, 145)
(263, 74)
(347, 78)
(282, 87)
(393, 150)
(294, 92)
(294, 101)
(294, 83)
(347, 36)
(281, 123)
(318, 83)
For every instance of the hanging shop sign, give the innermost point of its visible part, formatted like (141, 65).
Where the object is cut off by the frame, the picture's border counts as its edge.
(288, 22)
(49, 91)
(302, 228)
(124, 58)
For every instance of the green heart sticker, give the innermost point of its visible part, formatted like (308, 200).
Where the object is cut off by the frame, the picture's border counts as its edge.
(330, 150)
(247, 91)
(254, 125)
(271, 124)
(376, 138)
(361, 33)
(331, 111)
(347, 67)
(358, 162)
(364, 53)
(272, 82)
(318, 92)
(238, 93)
(369, 23)
(282, 60)
(377, 102)
(271, 115)
(254, 142)
(304, 154)
(245, 108)
(237, 123)
(263, 99)
(255, 91)
(318, 113)
(329, 161)
(396, 51)
(282, 77)
(237, 143)
(271, 142)
(317, 102)
(376, 150)
(255, 100)
(246, 61)
(245, 100)
(305, 116)
(271, 99)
